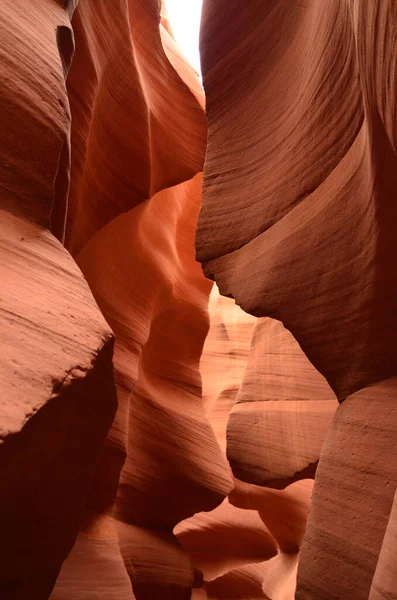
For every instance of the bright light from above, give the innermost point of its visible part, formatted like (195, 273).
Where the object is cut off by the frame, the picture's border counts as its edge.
(184, 17)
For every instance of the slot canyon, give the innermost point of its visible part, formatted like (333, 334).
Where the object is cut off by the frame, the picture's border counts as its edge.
(198, 301)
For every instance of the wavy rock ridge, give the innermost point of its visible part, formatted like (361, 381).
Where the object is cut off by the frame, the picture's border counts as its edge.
(297, 224)
(156, 442)
(110, 165)
(270, 411)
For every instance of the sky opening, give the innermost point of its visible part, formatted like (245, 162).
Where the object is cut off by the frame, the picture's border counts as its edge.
(184, 17)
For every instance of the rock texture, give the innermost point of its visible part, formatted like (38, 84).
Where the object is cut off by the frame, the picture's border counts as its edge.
(122, 189)
(35, 158)
(58, 402)
(95, 565)
(182, 470)
(249, 546)
(284, 515)
(285, 405)
(58, 397)
(138, 141)
(225, 538)
(224, 360)
(310, 178)
(297, 224)
(384, 584)
(359, 464)
(147, 451)
(137, 127)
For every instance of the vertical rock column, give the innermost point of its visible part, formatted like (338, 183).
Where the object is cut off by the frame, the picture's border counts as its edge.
(138, 142)
(299, 186)
(58, 397)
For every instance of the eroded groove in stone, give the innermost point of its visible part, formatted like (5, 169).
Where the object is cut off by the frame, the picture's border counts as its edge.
(297, 225)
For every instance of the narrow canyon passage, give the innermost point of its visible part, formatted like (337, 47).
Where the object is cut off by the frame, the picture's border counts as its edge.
(198, 290)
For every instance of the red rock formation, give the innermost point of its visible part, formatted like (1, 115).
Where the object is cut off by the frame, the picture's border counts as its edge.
(137, 127)
(56, 373)
(310, 178)
(56, 349)
(384, 582)
(138, 140)
(95, 567)
(182, 470)
(286, 406)
(298, 224)
(224, 539)
(284, 513)
(136, 249)
(224, 360)
(359, 465)
(34, 159)
(215, 540)
(238, 584)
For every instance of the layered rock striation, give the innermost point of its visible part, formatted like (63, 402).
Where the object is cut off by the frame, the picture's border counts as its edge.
(157, 442)
(58, 395)
(297, 224)
(109, 165)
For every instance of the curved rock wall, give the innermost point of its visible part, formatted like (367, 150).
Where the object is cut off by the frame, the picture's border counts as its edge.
(270, 410)
(58, 397)
(133, 207)
(310, 178)
(297, 224)
(197, 482)
(121, 187)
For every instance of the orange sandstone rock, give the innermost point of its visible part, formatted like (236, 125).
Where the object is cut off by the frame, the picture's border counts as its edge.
(138, 140)
(384, 582)
(300, 177)
(297, 224)
(136, 128)
(58, 397)
(224, 539)
(159, 338)
(94, 567)
(353, 497)
(224, 360)
(282, 413)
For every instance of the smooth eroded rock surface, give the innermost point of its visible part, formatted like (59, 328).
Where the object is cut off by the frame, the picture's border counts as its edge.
(58, 400)
(282, 413)
(195, 481)
(138, 142)
(297, 224)
(300, 175)
(353, 497)
(58, 397)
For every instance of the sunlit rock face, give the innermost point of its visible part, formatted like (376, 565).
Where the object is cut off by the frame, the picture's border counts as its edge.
(297, 224)
(285, 405)
(110, 165)
(270, 410)
(138, 141)
(156, 441)
(224, 360)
